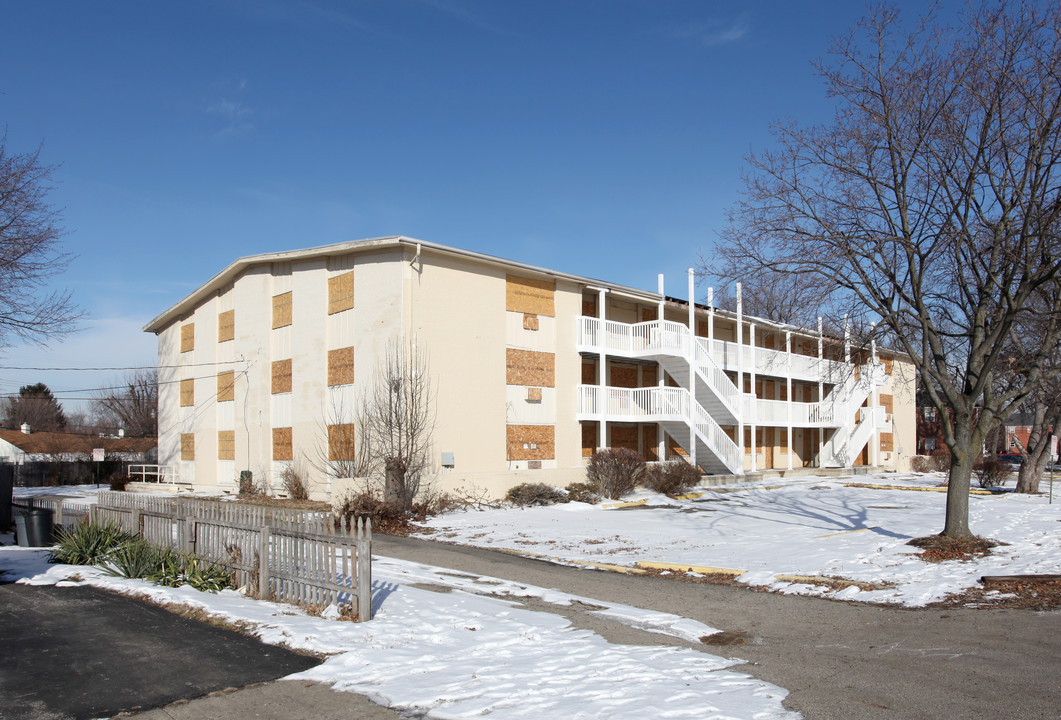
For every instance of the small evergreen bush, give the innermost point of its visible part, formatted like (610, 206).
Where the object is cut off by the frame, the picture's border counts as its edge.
(535, 494)
(671, 478)
(615, 471)
(135, 558)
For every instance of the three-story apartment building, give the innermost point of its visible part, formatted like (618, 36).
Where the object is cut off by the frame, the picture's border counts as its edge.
(531, 371)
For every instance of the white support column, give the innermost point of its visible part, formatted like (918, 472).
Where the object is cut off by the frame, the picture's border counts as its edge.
(661, 442)
(602, 377)
(691, 355)
(755, 404)
(740, 377)
(874, 456)
(847, 340)
(821, 388)
(788, 394)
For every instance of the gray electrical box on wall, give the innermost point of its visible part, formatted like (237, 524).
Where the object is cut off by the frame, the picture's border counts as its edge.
(447, 460)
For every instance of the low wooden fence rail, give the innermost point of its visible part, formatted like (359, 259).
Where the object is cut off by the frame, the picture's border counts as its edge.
(275, 553)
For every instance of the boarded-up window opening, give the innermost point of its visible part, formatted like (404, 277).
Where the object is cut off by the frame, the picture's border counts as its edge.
(226, 386)
(282, 445)
(187, 337)
(341, 442)
(187, 446)
(281, 381)
(534, 395)
(529, 295)
(226, 326)
(527, 367)
(341, 292)
(541, 437)
(281, 310)
(530, 321)
(226, 444)
(887, 441)
(187, 393)
(341, 366)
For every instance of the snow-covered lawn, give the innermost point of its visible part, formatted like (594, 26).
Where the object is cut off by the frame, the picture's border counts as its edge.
(778, 531)
(471, 652)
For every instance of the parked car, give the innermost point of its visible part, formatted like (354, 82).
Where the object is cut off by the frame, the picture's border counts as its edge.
(1009, 459)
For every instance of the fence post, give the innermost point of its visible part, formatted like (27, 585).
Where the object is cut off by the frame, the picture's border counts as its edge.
(136, 521)
(263, 560)
(59, 511)
(364, 568)
(189, 533)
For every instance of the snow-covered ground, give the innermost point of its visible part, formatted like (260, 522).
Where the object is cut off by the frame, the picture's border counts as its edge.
(774, 530)
(473, 650)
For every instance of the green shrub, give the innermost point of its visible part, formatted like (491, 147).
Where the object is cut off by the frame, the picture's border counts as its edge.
(582, 492)
(174, 568)
(135, 558)
(671, 478)
(535, 494)
(88, 543)
(615, 471)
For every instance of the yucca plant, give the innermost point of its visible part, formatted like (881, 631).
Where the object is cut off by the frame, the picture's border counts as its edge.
(134, 559)
(174, 568)
(88, 543)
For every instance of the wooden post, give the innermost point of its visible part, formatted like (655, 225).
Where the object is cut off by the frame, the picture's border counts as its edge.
(136, 522)
(189, 534)
(364, 569)
(263, 559)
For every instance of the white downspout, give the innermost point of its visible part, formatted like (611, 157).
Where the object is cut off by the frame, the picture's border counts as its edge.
(602, 440)
(661, 443)
(788, 394)
(755, 397)
(821, 389)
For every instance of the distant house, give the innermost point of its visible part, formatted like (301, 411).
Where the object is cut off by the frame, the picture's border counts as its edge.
(56, 458)
(1013, 436)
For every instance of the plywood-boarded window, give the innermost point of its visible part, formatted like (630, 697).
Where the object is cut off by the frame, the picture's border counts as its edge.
(887, 441)
(624, 436)
(341, 292)
(650, 442)
(281, 381)
(888, 403)
(528, 367)
(282, 445)
(589, 439)
(649, 376)
(187, 337)
(529, 295)
(534, 395)
(187, 393)
(782, 439)
(769, 389)
(187, 446)
(648, 314)
(589, 373)
(701, 328)
(226, 386)
(530, 321)
(281, 310)
(341, 442)
(226, 326)
(226, 444)
(531, 442)
(623, 376)
(341, 366)
(589, 306)
(888, 365)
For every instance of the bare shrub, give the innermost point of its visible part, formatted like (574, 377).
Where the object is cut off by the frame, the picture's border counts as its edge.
(294, 483)
(247, 486)
(535, 494)
(582, 492)
(671, 478)
(990, 473)
(615, 471)
(118, 482)
(922, 464)
(941, 456)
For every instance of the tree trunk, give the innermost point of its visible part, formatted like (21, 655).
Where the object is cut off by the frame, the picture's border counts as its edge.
(1031, 470)
(961, 470)
(394, 483)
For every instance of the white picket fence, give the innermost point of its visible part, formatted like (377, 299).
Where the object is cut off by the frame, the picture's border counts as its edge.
(275, 553)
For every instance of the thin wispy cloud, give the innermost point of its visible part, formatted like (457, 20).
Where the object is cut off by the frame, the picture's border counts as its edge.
(715, 32)
(234, 114)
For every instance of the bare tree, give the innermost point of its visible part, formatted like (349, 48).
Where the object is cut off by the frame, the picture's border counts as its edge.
(343, 449)
(36, 406)
(398, 421)
(133, 406)
(29, 253)
(930, 203)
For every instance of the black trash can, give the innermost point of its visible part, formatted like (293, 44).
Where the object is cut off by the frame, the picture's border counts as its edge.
(34, 527)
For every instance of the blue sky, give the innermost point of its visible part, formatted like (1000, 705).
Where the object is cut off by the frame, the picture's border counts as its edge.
(598, 137)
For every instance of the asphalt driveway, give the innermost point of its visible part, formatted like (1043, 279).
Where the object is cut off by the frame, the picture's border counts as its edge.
(68, 653)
